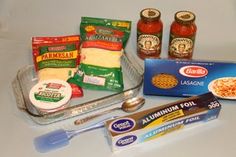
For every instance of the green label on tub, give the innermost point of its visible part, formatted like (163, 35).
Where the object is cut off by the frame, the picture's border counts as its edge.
(48, 96)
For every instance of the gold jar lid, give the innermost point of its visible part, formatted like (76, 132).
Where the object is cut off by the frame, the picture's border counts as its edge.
(150, 14)
(184, 17)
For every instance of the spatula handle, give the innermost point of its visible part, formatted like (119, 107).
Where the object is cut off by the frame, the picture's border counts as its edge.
(97, 125)
(86, 119)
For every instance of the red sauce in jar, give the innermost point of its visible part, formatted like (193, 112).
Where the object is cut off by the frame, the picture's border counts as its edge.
(182, 35)
(149, 34)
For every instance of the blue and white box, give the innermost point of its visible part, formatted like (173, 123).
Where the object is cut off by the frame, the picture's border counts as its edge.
(192, 77)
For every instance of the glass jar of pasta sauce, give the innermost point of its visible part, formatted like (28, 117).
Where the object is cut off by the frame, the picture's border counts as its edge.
(182, 35)
(149, 33)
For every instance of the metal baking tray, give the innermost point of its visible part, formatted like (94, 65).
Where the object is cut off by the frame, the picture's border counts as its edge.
(93, 100)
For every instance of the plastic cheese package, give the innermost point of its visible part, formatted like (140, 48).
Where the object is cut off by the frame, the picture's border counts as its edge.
(57, 58)
(102, 47)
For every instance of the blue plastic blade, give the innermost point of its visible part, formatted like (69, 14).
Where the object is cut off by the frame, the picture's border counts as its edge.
(51, 141)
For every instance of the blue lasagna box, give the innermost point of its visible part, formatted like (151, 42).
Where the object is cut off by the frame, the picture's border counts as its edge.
(189, 78)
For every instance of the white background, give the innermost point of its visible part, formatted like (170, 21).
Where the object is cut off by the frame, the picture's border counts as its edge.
(20, 20)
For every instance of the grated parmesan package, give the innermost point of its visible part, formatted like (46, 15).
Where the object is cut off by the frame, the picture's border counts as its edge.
(57, 58)
(103, 42)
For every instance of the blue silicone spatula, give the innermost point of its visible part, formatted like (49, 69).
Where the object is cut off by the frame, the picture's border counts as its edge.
(60, 138)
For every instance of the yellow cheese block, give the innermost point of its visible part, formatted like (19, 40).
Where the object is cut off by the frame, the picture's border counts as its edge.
(101, 57)
(56, 73)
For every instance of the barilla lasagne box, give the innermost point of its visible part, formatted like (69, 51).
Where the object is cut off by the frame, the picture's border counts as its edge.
(189, 78)
(157, 121)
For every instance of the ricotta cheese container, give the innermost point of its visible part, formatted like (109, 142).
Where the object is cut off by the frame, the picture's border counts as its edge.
(50, 95)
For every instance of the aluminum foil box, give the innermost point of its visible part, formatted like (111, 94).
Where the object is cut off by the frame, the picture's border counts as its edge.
(189, 78)
(160, 120)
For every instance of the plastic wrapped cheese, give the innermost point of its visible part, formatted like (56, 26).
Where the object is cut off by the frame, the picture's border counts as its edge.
(56, 57)
(101, 57)
(52, 73)
(103, 41)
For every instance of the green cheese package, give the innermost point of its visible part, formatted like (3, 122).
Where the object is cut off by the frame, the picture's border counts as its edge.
(103, 42)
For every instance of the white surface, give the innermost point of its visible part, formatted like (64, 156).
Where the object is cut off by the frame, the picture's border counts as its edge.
(20, 20)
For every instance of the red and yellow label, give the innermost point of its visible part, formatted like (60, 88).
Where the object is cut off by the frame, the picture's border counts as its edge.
(56, 55)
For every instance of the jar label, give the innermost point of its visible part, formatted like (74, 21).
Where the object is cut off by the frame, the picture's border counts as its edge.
(181, 47)
(149, 44)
